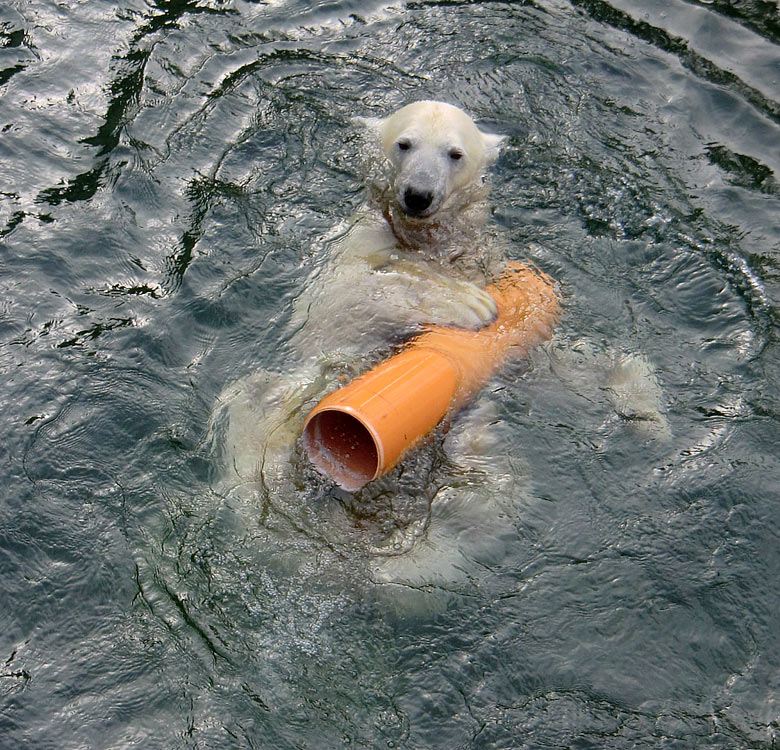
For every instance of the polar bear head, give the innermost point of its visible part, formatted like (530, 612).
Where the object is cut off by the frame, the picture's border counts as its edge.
(435, 153)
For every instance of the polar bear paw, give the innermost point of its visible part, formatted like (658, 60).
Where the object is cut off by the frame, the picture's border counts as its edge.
(464, 305)
(636, 396)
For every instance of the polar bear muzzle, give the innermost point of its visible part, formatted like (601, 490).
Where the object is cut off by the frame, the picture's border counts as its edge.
(416, 202)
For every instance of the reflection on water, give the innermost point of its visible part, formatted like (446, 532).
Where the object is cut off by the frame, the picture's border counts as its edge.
(169, 172)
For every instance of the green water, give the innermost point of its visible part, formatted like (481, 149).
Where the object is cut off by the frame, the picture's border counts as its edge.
(169, 170)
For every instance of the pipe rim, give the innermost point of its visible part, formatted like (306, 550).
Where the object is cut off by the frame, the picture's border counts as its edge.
(339, 466)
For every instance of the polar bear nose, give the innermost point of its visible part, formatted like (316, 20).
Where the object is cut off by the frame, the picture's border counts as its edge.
(417, 201)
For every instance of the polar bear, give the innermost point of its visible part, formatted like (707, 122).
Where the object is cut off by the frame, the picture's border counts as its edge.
(417, 253)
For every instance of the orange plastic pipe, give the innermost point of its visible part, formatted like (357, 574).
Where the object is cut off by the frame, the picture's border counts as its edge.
(362, 430)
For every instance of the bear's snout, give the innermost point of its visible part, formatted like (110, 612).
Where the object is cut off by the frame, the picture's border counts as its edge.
(416, 202)
(422, 184)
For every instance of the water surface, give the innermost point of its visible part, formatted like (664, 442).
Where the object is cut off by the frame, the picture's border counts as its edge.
(169, 171)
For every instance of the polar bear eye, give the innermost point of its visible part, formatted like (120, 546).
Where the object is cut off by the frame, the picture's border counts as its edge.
(456, 154)
(403, 145)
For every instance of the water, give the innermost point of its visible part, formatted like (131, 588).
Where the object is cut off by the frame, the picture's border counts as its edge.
(169, 170)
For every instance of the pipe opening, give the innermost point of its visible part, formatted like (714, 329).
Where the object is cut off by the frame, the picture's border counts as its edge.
(341, 447)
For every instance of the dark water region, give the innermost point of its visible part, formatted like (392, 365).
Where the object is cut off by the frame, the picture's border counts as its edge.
(169, 170)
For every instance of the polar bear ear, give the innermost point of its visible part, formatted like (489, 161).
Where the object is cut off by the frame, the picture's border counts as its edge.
(371, 128)
(371, 124)
(492, 146)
